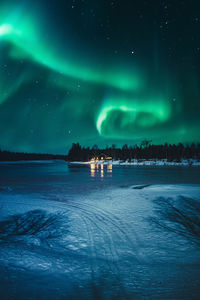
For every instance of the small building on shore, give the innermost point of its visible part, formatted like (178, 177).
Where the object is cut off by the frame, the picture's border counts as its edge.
(102, 157)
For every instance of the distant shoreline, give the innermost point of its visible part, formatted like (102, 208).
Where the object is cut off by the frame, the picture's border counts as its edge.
(7, 156)
(142, 162)
(47, 161)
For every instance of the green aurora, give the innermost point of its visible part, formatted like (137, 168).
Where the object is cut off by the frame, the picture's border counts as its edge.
(55, 91)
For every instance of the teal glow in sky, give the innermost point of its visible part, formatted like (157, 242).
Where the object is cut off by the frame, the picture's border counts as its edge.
(129, 117)
(71, 72)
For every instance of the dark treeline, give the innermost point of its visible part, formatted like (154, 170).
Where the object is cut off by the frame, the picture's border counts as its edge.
(15, 156)
(145, 151)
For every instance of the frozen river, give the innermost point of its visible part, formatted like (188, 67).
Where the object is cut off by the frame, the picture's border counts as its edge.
(99, 232)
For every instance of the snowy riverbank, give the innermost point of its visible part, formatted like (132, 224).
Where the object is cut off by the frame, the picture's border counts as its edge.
(143, 162)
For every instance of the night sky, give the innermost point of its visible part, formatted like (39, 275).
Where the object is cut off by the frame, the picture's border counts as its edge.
(98, 72)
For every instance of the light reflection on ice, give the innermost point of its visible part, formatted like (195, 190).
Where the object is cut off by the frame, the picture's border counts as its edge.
(104, 170)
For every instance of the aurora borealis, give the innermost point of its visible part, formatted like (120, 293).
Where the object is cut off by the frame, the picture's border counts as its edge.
(98, 72)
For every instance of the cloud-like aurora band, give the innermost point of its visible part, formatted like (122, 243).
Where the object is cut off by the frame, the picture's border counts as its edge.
(124, 117)
(132, 114)
(55, 90)
(24, 36)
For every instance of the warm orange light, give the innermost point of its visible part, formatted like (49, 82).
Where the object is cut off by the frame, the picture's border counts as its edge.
(92, 170)
(102, 171)
(109, 168)
(108, 157)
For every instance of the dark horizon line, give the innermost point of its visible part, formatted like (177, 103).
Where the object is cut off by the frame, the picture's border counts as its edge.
(30, 153)
(103, 148)
(27, 155)
(19, 156)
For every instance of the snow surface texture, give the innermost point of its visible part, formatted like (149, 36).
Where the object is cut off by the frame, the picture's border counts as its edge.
(138, 241)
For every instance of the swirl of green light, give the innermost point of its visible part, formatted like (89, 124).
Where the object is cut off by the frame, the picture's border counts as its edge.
(135, 114)
(24, 35)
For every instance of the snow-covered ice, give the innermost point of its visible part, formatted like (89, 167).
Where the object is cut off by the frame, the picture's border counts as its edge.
(67, 233)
